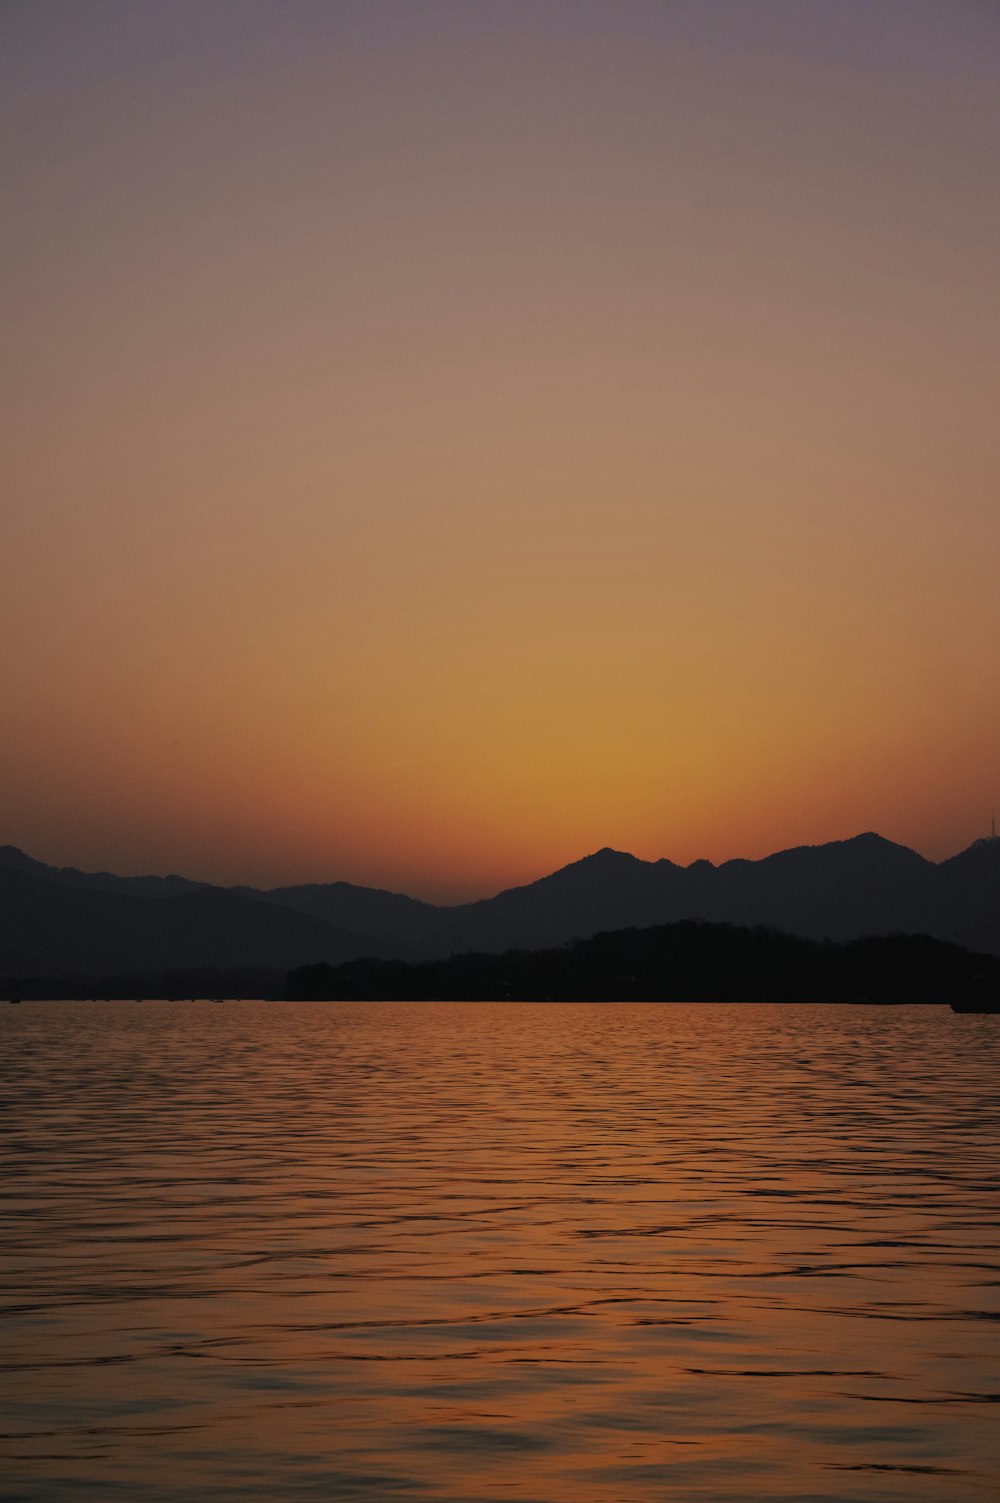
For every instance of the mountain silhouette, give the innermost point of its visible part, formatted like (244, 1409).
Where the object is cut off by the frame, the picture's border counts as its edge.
(69, 876)
(60, 921)
(67, 929)
(388, 917)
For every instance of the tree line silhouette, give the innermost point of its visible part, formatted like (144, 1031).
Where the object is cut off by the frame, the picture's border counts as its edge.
(688, 961)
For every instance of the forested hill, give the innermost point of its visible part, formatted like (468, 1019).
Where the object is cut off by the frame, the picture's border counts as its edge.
(683, 962)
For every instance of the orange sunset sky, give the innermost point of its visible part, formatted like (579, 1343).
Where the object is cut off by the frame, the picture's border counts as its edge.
(441, 439)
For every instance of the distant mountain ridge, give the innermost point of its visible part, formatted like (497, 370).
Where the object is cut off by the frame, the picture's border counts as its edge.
(68, 928)
(62, 922)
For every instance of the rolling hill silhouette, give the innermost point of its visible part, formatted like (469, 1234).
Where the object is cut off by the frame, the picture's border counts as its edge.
(58, 929)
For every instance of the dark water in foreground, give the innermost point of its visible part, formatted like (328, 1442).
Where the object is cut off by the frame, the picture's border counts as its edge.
(429, 1252)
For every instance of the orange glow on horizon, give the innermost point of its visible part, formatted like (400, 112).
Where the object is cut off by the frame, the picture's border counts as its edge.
(439, 449)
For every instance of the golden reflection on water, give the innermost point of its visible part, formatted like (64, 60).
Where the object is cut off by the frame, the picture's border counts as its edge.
(471, 1252)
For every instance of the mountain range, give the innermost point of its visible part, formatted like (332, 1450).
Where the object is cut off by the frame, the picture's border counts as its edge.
(58, 922)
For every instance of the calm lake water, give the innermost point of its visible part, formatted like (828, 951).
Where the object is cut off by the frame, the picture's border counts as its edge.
(523, 1252)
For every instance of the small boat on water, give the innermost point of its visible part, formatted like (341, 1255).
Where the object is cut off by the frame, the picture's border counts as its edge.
(977, 1004)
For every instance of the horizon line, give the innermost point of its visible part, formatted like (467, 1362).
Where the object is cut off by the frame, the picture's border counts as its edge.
(605, 850)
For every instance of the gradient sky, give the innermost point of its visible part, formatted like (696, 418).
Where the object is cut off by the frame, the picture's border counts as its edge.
(441, 439)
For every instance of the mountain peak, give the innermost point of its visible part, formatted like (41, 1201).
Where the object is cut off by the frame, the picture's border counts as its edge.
(867, 847)
(983, 854)
(606, 859)
(874, 844)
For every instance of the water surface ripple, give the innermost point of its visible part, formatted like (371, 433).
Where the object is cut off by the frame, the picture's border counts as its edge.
(539, 1253)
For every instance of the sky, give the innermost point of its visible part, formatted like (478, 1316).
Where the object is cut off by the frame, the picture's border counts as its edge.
(442, 439)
